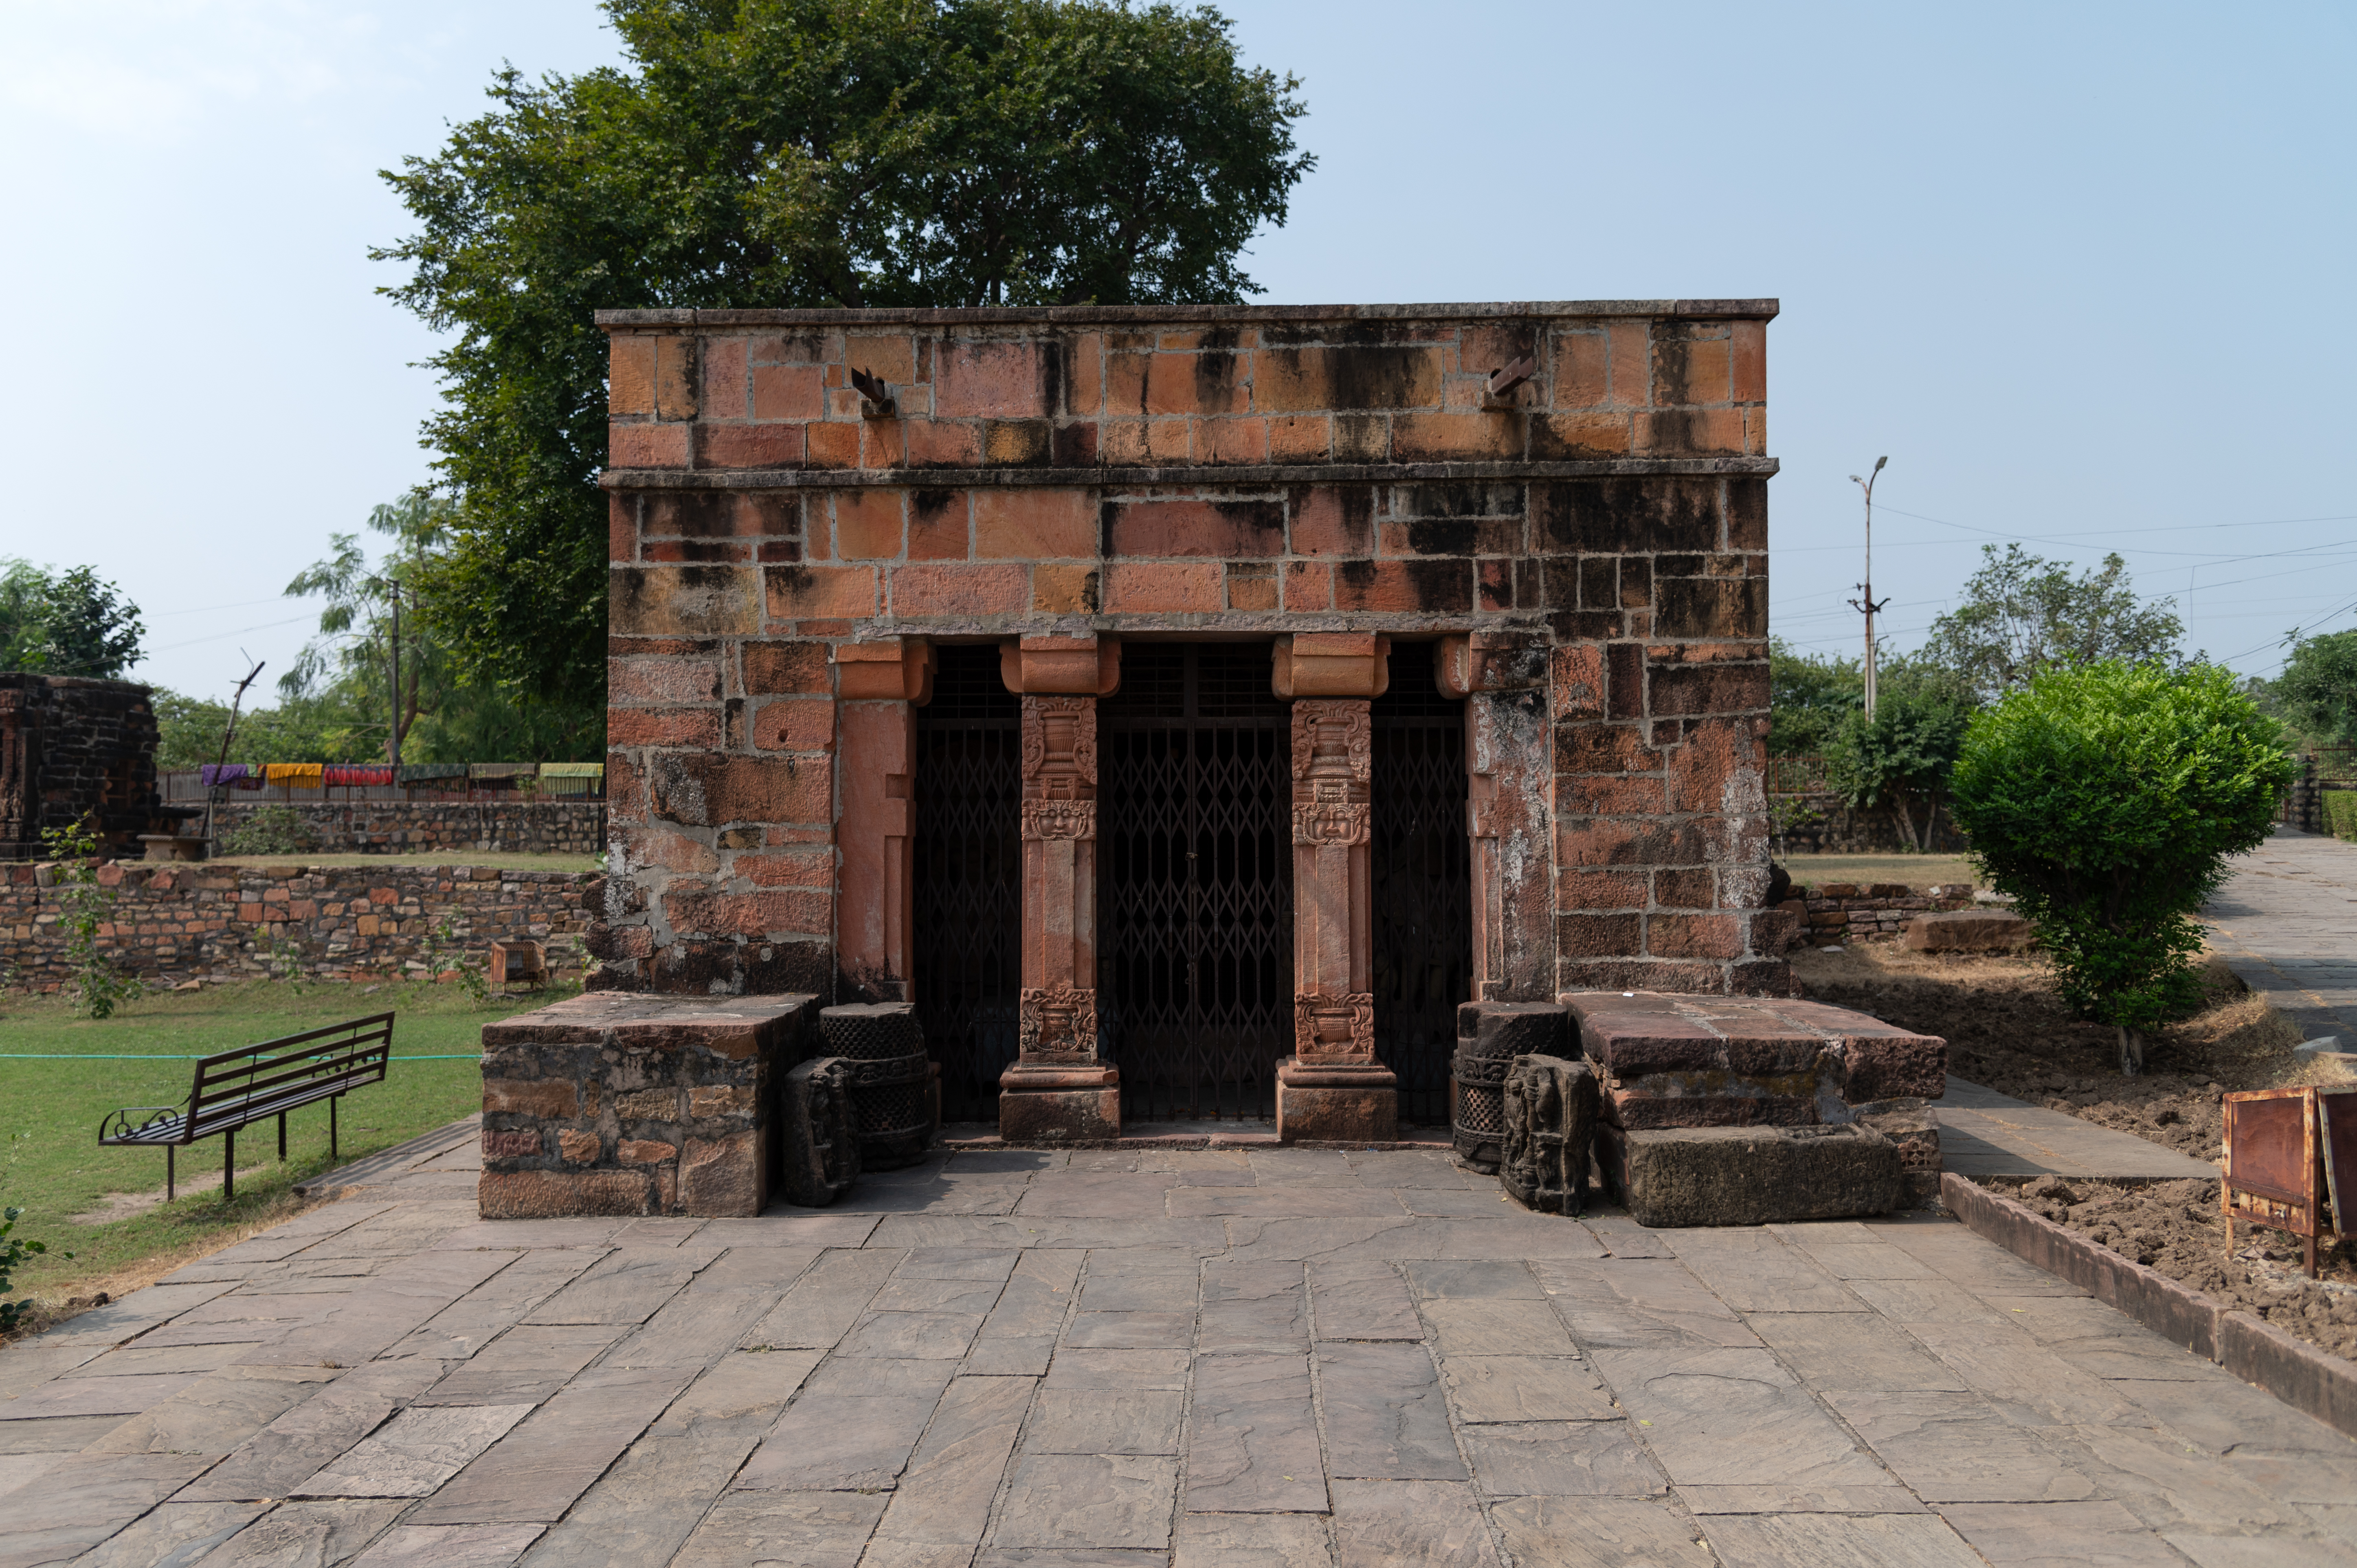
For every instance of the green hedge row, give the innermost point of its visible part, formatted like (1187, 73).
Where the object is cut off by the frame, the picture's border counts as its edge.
(2340, 813)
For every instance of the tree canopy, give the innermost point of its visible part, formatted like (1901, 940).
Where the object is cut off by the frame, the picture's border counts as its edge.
(2318, 689)
(2023, 614)
(66, 623)
(794, 153)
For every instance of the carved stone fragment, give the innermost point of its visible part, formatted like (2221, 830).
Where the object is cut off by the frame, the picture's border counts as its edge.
(820, 1137)
(1551, 1112)
(891, 1075)
(1490, 1035)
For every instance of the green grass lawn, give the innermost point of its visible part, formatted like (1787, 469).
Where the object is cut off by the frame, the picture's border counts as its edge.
(1915, 870)
(53, 1168)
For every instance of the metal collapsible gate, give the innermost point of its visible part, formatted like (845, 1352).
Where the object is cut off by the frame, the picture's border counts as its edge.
(1423, 881)
(967, 918)
(1195, 905)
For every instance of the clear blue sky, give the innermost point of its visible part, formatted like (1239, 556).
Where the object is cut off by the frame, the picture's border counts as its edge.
(2080, 272)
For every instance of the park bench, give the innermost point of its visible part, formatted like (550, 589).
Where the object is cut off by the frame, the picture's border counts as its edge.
(237, 1089)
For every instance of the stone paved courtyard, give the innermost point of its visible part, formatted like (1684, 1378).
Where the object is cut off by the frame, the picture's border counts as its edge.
(1210, 1358)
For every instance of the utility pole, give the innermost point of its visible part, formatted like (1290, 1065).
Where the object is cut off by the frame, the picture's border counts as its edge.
(229, 733)
(1867, 587)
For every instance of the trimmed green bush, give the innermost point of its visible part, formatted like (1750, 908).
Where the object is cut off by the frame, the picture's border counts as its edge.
(2340, 813)
(2107, 799)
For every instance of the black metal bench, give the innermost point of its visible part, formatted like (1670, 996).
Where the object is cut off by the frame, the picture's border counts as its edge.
(237, 1089)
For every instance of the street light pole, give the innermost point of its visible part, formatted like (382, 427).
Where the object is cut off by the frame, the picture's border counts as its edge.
(1867, 587)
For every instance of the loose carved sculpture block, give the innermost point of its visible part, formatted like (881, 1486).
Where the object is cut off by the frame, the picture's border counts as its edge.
(822, 1134)
(1551, 1107)
(890, 1078)
(1489, 1036)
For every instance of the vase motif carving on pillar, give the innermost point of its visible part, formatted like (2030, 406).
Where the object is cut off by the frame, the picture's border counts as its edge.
(1056, 1011)
(1334, 1014)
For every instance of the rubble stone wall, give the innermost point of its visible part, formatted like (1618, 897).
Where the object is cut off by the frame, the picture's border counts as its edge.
(176, 923)
(1870, 911)
(426, 827)
(1594, 534)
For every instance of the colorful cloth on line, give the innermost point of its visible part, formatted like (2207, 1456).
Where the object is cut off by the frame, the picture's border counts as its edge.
(223, 773)
(294, 775)
(573, 770)
(358, 774)
(426, 772)
(499, 770)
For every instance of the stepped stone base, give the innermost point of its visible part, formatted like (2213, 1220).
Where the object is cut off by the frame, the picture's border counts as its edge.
(1749, 1176)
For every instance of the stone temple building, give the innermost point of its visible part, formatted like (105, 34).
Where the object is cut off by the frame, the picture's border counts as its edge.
(1186, 707)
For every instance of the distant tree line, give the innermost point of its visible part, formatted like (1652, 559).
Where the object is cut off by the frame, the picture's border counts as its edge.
(2021, 617)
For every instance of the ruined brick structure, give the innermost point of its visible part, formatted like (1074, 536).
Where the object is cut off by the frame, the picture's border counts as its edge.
(1188, 706)
(74, 750)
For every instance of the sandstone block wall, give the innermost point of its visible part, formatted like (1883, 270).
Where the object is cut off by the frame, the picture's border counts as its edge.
(175, 923)
(1594, 538)
(426, 827)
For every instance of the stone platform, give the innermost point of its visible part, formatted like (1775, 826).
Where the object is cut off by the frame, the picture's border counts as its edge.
(619, 1104)
(1155, 1358)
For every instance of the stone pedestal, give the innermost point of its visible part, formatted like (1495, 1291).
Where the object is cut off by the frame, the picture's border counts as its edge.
(1058, 1090)
(611, 1104)
(1332, 1089)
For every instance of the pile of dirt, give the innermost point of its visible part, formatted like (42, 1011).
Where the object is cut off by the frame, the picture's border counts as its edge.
(2007, 1030)
(2174, 1227)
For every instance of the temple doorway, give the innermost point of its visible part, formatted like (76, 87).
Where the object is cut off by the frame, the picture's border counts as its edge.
(1422, 881)
(1195, 904)
(966, 913)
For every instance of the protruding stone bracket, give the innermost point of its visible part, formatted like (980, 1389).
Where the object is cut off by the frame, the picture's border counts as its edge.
(885, 668)
(1067, 666)
(1332, 665)
(1468, 662)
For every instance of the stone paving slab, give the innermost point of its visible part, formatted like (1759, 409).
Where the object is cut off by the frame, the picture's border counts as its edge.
(1155, 1375)
(1985, 1133)
(2286, 922)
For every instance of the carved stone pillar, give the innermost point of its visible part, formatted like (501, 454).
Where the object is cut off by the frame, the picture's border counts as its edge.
(879, 688)
(1332, 1089)
(1058, 1087)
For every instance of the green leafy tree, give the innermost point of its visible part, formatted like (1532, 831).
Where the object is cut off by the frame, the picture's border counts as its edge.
(2023, 614)
(2107, 799)
(827, 153)
(2318, 689)
(381, 670)
(66, 623)
(1899, 760)
(1809, 698)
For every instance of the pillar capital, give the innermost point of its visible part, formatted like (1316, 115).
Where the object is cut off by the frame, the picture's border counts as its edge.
(1332, 665)
(1086, 666)
(884, 669)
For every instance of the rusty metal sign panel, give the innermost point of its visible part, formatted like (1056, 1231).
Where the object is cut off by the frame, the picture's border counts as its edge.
(2289, 1155)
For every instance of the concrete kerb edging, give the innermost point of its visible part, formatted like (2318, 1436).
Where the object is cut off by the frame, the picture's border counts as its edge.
(2304, 1378)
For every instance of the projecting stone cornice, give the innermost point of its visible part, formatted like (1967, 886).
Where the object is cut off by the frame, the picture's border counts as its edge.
(1193, 475)
(1169, 315)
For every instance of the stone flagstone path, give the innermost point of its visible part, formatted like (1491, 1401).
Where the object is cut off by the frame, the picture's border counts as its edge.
(2286, 921)
(1205, 1360)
